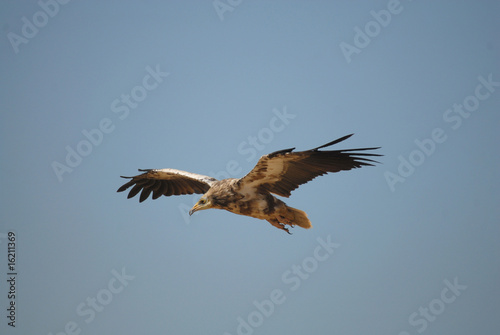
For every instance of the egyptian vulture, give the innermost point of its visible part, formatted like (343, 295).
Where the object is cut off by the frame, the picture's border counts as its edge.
(278, 173)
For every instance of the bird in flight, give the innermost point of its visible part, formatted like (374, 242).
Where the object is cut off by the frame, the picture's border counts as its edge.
(277, 173)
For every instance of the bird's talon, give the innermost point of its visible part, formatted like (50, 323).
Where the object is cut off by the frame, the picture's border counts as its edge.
(285, 229)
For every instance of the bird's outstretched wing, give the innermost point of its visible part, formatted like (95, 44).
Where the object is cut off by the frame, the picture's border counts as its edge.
(166, 182)
(283, 171)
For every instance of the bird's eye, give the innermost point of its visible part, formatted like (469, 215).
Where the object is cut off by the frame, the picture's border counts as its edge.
(202, 201)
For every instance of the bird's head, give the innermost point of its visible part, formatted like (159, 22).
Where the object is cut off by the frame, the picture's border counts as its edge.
(204, 203)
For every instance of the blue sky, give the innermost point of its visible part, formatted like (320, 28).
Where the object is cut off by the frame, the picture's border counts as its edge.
(94, 90)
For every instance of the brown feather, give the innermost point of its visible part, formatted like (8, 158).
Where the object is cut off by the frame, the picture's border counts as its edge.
(166, 182)
(283, 171)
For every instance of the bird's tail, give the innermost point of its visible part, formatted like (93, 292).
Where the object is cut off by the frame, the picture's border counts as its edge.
(299, 218)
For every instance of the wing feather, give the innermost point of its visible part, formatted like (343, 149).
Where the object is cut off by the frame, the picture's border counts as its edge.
(146, 191)
(166, 182)
(283, 171)
(157, 190)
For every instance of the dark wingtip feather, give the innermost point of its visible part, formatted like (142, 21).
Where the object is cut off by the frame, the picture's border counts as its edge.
(133, 192)
(333, 142)
(125, 186)
(144, 194)
(361, 149)
(130, 183)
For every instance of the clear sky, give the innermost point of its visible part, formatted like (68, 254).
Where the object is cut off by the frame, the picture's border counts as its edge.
(91, 90)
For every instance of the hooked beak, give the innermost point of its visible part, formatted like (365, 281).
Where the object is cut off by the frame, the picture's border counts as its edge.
(199, 207)
(194, 209)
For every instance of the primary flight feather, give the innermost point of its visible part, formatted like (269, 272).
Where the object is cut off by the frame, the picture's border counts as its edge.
(278, 173)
